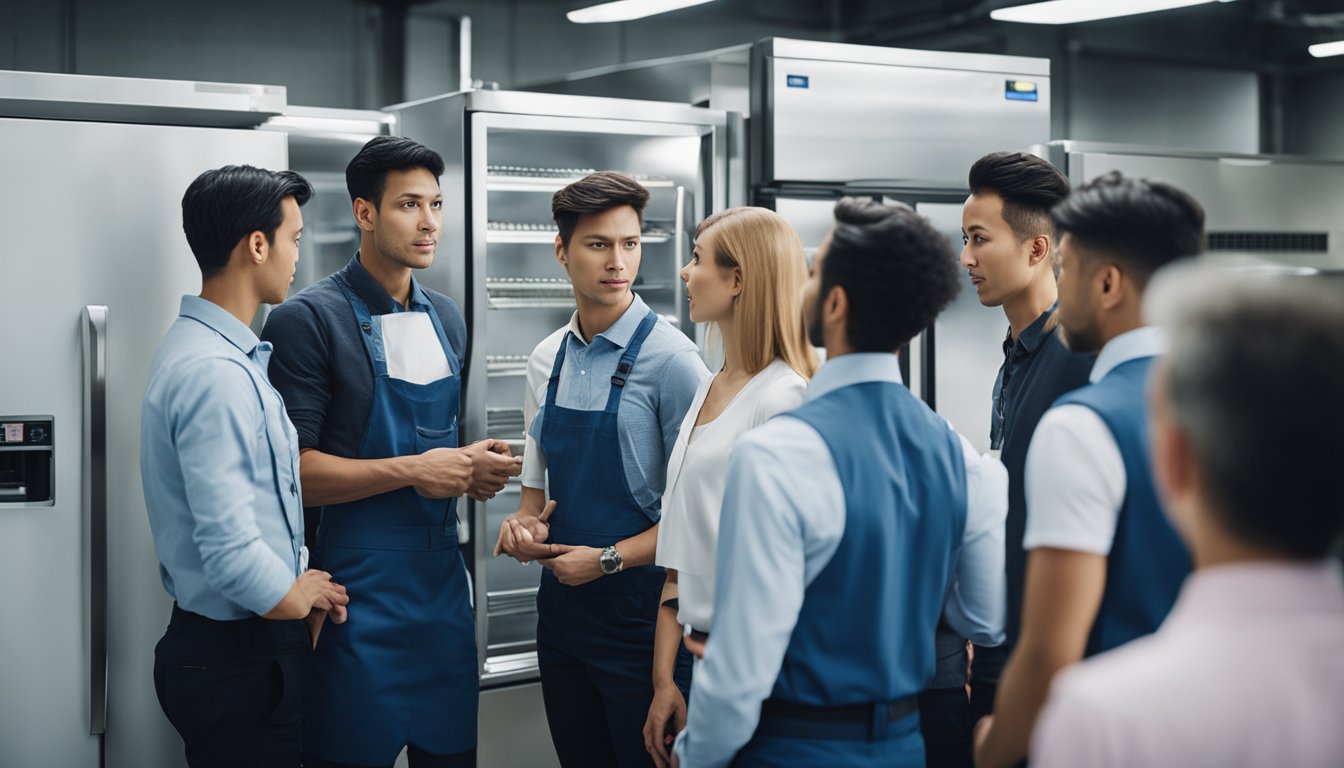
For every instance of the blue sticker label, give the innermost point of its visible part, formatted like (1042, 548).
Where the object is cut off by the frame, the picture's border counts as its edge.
(796, 81)
(1020, 90)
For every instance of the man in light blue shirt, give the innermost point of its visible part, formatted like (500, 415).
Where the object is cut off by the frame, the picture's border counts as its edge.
(606, 397)
(849, 526)
(219, 464)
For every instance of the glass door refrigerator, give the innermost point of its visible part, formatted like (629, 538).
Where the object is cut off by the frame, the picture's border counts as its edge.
(506, 155)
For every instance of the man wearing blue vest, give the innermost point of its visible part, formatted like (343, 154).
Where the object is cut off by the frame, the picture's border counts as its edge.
(1105, 564)
(850, 525)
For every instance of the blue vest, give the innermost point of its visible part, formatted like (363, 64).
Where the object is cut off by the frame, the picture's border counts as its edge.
(1147, 563)
(865, 631)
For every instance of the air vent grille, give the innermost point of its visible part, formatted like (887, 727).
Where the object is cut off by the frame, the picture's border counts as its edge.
(1261, 242)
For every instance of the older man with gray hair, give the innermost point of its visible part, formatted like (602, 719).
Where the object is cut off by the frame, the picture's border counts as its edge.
(1246, 423)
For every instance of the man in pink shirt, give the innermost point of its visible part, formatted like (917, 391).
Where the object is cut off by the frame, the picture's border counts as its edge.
(1246, 670)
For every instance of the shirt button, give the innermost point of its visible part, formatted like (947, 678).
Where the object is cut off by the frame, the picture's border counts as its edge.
(583, 373)
(293, 489)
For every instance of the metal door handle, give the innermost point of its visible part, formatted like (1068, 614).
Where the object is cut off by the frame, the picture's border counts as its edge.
(94, 332)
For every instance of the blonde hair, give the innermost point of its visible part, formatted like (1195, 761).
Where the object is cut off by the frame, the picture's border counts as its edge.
(768, 314)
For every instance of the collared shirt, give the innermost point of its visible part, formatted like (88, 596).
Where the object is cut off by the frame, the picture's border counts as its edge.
(1037, 369)
(784, 512)
(689, 533)
(1075, 476)
(320, 365)
(1245, 671)
(657, 395)
(219, 461)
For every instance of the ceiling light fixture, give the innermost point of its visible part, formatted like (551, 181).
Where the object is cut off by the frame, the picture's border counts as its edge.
(1321, 50)
(627, 10)
(1076, 11)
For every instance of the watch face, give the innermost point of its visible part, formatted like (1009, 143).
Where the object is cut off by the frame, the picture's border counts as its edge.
(610, 561)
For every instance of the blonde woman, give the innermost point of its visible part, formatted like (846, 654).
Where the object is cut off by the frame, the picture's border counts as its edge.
(746, 278)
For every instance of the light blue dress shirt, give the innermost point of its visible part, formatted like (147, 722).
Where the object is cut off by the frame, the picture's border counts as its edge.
(657, 394)
(219, 461)
(783, 517)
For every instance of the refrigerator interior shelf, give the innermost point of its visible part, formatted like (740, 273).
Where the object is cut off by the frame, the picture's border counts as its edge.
(511, 601)
(534, 233)
(511, 178)
(506, 365)
(504, 423)
(507, 664)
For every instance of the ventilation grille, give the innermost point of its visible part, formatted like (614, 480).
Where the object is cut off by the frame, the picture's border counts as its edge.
(1261, 242)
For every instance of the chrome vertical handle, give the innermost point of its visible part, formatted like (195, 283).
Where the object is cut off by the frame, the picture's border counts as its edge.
(95, 507)
(678, 253)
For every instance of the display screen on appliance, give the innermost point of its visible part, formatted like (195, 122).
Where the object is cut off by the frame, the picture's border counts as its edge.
(11, 433)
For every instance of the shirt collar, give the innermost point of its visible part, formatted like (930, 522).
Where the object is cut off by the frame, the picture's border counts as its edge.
(374, 296)
(623, 330)
(218, 319)
(854, 369)
(1032, 336)
(1235, 590)
(1147, 341)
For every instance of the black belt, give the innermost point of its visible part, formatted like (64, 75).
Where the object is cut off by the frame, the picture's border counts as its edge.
(253, 633)
(854, 722)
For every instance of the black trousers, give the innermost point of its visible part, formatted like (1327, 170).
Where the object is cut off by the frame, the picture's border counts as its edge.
(418, 759)
(233, 689)
(986, 668)
(944, 721)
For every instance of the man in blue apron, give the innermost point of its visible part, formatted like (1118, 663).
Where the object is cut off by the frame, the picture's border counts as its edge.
(850, 526)
(369, 362)
(1105, 564)
(606, 396)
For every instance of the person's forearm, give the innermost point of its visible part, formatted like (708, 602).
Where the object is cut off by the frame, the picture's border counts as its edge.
(1022, 692)
(329, 479)
(667, 635)
(640, 549)
(532, 501)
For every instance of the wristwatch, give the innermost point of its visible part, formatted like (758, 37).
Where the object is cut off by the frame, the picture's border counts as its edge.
(611, 561)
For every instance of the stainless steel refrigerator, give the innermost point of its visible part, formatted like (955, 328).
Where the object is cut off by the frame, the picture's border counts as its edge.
(91, 273)
(506, 154)
(825, 120)
(1276, 209)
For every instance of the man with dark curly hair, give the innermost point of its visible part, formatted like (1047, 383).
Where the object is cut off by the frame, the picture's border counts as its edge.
(849, 527)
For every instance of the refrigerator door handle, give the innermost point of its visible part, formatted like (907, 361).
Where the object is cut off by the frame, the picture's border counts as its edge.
(94, 332)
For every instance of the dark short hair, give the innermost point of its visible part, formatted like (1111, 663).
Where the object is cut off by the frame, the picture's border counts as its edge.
(366, 175)
(596, 193)
(225, 205)
(898, 272)
(1028, 186)
(1253, 380)
(1141, 224)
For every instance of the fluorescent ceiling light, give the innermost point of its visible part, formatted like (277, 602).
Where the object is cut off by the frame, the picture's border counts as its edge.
(1075, 11)
(626, 10)
(1321, 50)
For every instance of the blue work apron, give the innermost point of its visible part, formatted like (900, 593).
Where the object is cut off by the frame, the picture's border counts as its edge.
(402, 670)
(607, 625)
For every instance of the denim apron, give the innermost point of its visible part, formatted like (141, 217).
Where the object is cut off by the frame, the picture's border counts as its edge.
(403, 669)
(604, 628)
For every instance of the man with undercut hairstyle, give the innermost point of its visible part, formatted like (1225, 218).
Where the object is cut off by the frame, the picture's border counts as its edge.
(1246, 670)
(1105, 564)
(1009, 254)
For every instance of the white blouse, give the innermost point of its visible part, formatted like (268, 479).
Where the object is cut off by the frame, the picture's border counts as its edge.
(689, 531)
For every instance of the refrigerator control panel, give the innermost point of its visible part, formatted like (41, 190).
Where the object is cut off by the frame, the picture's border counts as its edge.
(27, 461)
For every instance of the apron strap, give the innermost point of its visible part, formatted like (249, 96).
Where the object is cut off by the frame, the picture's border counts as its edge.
(627, 362)
(553, 385)
(371, 339)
